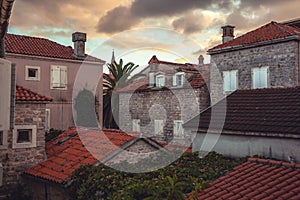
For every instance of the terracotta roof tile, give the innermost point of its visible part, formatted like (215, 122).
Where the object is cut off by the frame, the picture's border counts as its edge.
(267, 111)
(250, 188)
(35, 46)
(23, 94)
(268, 32)
(66, 152)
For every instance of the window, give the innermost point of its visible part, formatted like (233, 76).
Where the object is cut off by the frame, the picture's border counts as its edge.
(136, 125)
(47, 119)
(32, 73)
(151, 79)
(3, 139)
(160, 81)
(178, 79)
(58, 77)
(260, 77)
(230, 80)
(158, 127)
(178, 131)
(24, 136)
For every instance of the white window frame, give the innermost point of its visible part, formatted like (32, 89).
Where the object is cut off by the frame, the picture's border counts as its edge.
(259, 70)
(158, 127)
(175, 130)
(47, 119)
(4, 139)
(27, 78)
(157, 80)
(232, 87)
(178, 77)
(136, 125)
(62, 72)
(30, 144)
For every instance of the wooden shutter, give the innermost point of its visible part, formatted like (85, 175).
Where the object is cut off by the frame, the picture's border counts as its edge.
(55, 76)
(63, 76)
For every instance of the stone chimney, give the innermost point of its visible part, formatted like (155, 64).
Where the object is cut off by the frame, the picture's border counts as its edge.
(79, 40)
(228, 33)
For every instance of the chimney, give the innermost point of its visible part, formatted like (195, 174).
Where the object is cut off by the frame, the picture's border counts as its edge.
(79, 40)
(200, 60)
(228, 33)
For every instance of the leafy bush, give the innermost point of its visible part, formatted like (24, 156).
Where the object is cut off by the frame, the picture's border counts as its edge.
(186, 174)
(52, 133)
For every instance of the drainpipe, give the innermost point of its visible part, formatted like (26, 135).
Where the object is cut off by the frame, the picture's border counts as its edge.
(5, 12)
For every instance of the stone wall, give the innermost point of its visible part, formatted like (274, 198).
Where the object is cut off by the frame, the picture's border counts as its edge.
(282, 59)
(16, 160)
(47, 191)
(161, 104)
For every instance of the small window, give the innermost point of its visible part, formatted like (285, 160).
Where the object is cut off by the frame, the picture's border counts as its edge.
(178, 79)
(260, 77)
(58, 77)
(178, 131)
(230, 80)
(136, 125)
(160, 81)
(32, 73)
(3, 139)
(159, 127)
(24, 136)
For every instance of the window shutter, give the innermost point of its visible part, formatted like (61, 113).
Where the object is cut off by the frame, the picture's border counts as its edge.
(55, 76)
(151, 78)
(233, 78)
(47, 119)
(255, 77)
(226, 81)
(158, 127)
(263, 77)
(136, 125)
(63, 78)
(174, 80)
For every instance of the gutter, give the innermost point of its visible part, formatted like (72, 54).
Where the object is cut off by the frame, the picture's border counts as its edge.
(245, 46)
(261, 134)
(57, 59)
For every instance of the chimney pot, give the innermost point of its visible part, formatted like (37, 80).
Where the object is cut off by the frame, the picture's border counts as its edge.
(79, 40)
(228, 33)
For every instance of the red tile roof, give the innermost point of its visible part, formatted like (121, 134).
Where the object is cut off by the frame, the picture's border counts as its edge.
(27, 95)
(268, 32)
(270, 111)
(34, 46)
(181, 66)
(256, 179)
(142, 84)
(67, 152)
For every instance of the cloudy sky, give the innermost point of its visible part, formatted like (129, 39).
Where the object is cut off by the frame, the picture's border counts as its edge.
(174, 30)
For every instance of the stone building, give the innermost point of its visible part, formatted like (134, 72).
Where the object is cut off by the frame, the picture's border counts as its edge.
(51, 69)
(23, 146)
(262, 58)
(167, 96)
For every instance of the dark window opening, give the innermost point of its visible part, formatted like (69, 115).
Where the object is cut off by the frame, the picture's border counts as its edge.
(32, 73)
(1, 137)
(24, 135)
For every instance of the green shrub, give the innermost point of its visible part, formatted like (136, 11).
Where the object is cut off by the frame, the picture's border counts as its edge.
(186, 174)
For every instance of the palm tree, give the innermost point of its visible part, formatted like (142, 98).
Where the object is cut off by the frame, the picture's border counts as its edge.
(117, 78)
